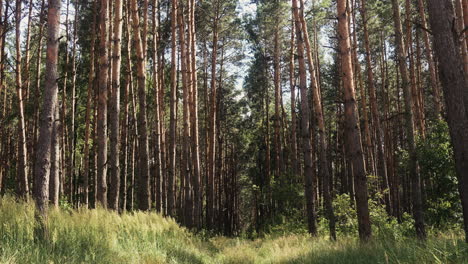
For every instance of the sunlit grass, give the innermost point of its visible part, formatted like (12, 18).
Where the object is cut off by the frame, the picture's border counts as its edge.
(100, 236)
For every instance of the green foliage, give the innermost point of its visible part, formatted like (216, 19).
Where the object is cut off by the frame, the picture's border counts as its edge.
(437, 166)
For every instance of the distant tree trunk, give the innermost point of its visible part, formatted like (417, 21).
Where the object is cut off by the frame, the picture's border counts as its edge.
(157, 139)
(48, 116)
(22, 166)
(382, 165)
(410, 130)
(54, 181)
(173, 115)
(417, 108)
(127, 140)
(40, 38)
(210, 196)
(144, 197)
(292, 86)
(64, 169)
(114, 155)
(186, 167)
(453, 81)
(305, 126)
(196, 177)
(91, 78)
(322, 134)
(353, 138)
(72, 145)
(27, 62)
(102, 106)
(277, 81)
(368, 148)
(430, 61)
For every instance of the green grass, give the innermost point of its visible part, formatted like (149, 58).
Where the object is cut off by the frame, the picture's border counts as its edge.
(99, 236)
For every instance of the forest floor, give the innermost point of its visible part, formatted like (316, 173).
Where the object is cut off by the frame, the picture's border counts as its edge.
(99, 236)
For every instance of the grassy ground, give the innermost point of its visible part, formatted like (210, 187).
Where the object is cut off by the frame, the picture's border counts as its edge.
(98, 236)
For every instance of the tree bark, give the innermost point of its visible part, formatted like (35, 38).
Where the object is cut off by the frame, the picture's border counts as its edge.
(144, 197)
(353, 138)
(102, 107)
(322, 134)
(430, 60)
(22, 166)
(305, 125)
(196, 177)
(91, 79)
(157, 139)
(48, 113)
(114, 155)
(379, 137)
(210, 196)
(410, 130)
(173, 121)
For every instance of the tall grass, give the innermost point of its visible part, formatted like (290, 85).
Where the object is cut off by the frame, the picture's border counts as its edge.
(100, 236)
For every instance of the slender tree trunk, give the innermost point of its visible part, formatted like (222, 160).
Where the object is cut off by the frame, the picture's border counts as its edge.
(127, 140)
(410, 130)
(196, 176)
(54, 181)
(114, 155)
(185, 168)
(210, 196)
(72, 135)
(22, 171)
(453, 81)
(144, 197)
(353, 138)
(322, 134)
(305, 125)
(430, 61)
(173, 108)
(277, 81)
(382, 166)
(91, 79)
(157, 147)
(102, 106)
(292, 86)
(64, 170)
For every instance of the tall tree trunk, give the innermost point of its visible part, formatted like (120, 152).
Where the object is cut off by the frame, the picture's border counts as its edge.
(144, 197)
(292, 86)
(91, 79)
(185, 168)
(173, 112)
(277, 81)
(322, 134)
(353, 138)
(453, 81)
(64, 170)
(210, 203)
(47, 117)
(410, 130)
(305, 125)
(102, 106)
(382, 166)
(157, 139)
(22, 167)
(430, 60)
(114, 155)
(196, 176)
